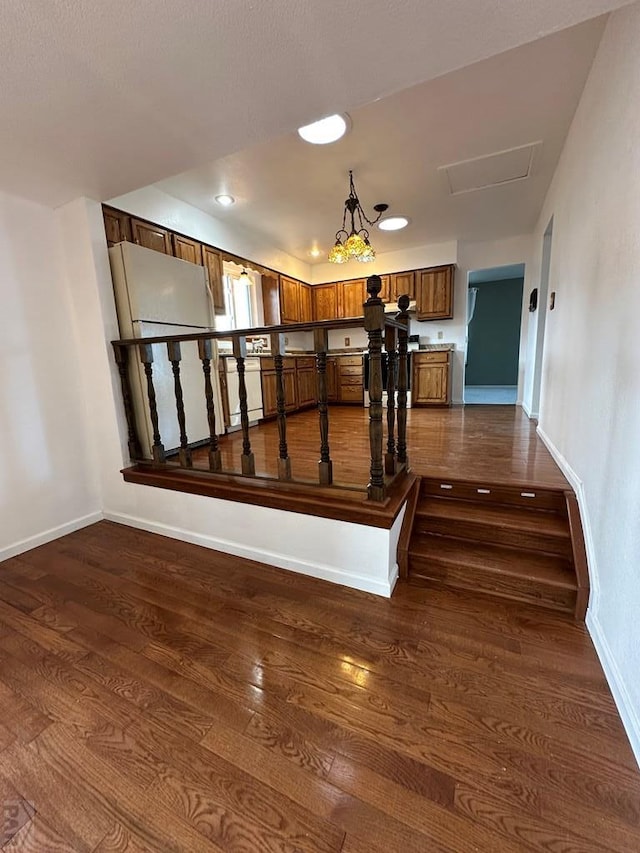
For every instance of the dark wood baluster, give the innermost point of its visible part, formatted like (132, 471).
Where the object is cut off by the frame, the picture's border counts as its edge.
(390, 343)
(146, 357)
(247, 459)
(321, 346)
(403, 379)
(374, 324)
(284, 463)
(205, 351)
(175, 356)
(122, 360)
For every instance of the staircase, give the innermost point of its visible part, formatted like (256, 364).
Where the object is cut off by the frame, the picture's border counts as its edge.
(513, 543)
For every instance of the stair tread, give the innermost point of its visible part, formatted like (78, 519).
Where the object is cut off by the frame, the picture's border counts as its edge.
(509, 517)
(496, 559)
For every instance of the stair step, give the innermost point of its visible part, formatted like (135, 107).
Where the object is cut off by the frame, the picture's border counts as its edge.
(520, 527)
(540, 579)
(524, 495)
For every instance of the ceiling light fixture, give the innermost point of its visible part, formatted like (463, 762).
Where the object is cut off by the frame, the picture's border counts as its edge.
(356, 243)
(315, 252)
(245, 278)
(225, 200)
(326, 130)
(393, 223)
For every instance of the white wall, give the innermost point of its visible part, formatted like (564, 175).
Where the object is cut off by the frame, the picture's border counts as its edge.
(338, 551)
(47, 486)
(590, 404)
(157, 206)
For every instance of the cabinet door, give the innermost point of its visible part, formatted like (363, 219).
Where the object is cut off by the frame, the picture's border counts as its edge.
(290, 389)
(151, 236)
(187, 250)
(307, 387)
(306, 311)
(213, 265)
(401, 283)
(386, 292)
(431, 383)
(271, 299)
(117, 226)
(269, 401)
(434, 296)
(353, 298)
(289, 300)
(325, 301)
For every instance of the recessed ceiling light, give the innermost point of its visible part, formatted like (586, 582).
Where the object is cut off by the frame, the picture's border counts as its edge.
(393, 223)
(225, 200)
(326, 130)
(315, 252)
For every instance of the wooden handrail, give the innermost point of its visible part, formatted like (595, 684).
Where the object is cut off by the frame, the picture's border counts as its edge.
(384, 332)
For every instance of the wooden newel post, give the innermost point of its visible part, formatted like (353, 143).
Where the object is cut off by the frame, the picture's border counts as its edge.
(175, 356)
(403, 379)
(390, 344)
(284, 462)
(205, 352)
(374, 324)
(122, 360)
(146, 357)
(247, 459)
(321, 346)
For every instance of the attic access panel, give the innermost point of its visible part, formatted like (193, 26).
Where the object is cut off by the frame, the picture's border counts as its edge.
(502, 167)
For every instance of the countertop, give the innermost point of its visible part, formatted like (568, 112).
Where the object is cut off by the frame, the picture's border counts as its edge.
(337, 352)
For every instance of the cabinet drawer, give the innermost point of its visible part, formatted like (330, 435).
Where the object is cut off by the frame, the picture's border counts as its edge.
(269, 364)
(351, 371)
(306, 361)
(431, 357)
(352, 393)
(350, 360)
(351, 380)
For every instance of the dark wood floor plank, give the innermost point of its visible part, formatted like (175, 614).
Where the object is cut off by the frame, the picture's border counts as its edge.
(195, 701)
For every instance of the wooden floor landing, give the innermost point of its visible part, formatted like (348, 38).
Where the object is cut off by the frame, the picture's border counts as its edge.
(498, 444)
(157, 696)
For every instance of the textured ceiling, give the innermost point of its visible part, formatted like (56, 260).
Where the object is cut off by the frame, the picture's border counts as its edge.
(100, 98)
(293, 193)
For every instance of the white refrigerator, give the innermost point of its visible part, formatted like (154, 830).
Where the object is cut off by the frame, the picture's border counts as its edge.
(157, 294)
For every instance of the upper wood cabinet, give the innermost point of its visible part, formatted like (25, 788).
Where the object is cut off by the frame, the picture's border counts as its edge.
(434, 293)
(271, 299)
(306, 309)
(289, 300)
(324, 298)
(354, 295)
(385, 292)
(401, 283)
(151, 236)
(117, 226)
(186, 249)
(213, 264)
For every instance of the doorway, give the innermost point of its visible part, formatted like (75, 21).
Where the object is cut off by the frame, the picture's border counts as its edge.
(493, 335)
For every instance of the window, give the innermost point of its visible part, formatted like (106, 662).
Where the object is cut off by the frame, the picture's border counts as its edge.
(240, 302)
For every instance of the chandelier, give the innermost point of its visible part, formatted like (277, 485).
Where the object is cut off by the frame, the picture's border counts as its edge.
(354, 244)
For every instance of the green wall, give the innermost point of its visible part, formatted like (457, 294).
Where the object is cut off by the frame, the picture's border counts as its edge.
(494, 334)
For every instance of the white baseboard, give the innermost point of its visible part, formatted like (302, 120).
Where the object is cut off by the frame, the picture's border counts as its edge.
(627, 712)
(529, 413)
(280, 561)
(49, 535)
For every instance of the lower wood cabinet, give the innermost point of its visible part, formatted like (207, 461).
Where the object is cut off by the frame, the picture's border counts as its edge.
(431, 379)
(332, 379)
(350, 369)
(307, 382)
(268, 376)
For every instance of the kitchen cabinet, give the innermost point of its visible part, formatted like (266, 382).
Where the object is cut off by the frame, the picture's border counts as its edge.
(306, 309)
(350, 377)
(213, 264)
(434, 293)
(306, 381)
(401, 283)
(385, 291)
(186, 249)
(289, 300)
(431, 379)
(271, 299)
(353, 297)
(324, 301)
(332, 380)
(268, 377)
(151, 236)
(117, 226)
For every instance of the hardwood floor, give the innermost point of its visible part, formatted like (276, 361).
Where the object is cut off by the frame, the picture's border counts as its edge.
(157, 696)
(496, 443)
